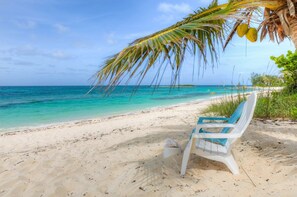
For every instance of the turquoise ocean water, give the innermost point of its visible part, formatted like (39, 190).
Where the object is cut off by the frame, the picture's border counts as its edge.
(33, 106)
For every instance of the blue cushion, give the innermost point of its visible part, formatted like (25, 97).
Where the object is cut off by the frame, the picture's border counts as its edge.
(232, 120)
(201, 119)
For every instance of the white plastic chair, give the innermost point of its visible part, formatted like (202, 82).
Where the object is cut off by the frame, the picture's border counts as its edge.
(222, 153)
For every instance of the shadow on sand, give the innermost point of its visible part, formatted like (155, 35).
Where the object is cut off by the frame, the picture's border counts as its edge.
(155, 170)
(278, 145)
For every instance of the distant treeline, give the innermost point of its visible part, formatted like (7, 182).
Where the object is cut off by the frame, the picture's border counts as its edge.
(264, 80)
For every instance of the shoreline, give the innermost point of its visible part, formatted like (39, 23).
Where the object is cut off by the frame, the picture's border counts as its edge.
(115, 114)
(7, 131)
(122, 156)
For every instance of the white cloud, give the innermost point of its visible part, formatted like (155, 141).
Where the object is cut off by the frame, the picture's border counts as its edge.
(173, 8)
(172, 12)
(60, 28)
(28, 24)
(32, 51)
(111, 39)
(59, 55)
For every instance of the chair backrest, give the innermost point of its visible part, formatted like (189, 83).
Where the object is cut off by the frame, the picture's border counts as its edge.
(247, 115)
(234, 117)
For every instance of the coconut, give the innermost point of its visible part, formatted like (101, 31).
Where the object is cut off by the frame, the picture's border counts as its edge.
(252, 35)
(242, 29)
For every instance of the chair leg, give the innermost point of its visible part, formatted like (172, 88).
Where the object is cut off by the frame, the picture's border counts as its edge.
(186, 157)
(231, 164)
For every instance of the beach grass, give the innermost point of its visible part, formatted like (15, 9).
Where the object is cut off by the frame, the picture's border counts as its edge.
(270, 105)
(277, 105)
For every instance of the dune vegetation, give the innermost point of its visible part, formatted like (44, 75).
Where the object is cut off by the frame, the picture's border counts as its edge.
(272, 104)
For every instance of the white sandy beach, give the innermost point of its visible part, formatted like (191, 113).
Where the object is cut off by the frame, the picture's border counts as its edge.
(122, 156)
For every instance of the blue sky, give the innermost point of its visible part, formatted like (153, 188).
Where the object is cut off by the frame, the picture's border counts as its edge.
(54, 42)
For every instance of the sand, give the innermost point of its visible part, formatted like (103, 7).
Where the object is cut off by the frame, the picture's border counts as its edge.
(122, 156)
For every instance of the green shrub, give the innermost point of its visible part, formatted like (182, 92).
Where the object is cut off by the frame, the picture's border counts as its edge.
(288, 64)
(294, 113)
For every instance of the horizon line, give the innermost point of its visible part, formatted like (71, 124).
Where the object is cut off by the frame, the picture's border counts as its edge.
(120, 85)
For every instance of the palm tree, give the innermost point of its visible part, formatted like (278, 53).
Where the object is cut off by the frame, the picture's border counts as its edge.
(201, 34)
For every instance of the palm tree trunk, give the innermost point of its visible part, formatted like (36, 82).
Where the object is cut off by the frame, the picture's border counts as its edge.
(293, 30)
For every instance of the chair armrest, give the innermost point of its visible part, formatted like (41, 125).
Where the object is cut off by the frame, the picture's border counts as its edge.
(214, 125)
(201, 119)
(216, 135)
(213, 135)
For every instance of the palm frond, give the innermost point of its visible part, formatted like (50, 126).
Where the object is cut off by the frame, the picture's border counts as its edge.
(201, 33)
(291, 7)
(271, 26)
(276, 23)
